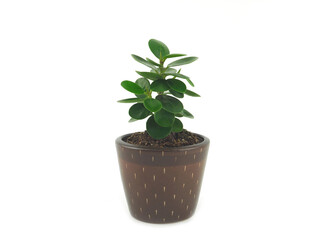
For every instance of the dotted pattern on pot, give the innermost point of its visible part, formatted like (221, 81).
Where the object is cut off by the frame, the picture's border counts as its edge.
(162, 194)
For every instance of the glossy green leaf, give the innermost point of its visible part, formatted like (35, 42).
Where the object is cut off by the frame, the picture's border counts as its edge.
(158, 48)
(132, 120)
(190, 82)
(173, 55)
(153, 105)
(142, 61)
(164, 118)
(155, 130)
(150, 75)
(130, 100)
(177, 85)
(192, 94)
(171, 104)
(159, 86)
(138, 111)
(182, 61)
(141, 96)
(177, 125)
(143, 83)
(179, 75)
(132, 87)
(176, 94)
(179, 114)
(170, 70)
(153, 62)
(187, 114)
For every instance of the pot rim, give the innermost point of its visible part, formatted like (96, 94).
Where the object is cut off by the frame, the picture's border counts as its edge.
(119, 141)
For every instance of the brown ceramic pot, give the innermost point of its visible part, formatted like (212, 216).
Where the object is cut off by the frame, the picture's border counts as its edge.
(162, 185)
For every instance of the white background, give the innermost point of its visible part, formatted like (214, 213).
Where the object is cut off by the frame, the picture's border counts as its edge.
(61, 64)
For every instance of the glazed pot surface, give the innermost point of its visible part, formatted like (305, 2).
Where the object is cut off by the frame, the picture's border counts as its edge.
(162, 185)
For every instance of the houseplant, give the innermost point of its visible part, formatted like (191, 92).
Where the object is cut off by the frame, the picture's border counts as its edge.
(161, 168)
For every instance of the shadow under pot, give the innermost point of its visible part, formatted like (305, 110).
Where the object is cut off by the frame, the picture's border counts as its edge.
(162, 185)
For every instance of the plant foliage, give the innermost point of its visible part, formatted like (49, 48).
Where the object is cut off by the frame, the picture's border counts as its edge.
(164, 109)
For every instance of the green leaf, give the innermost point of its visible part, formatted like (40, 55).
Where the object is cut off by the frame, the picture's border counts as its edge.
(176, 94)
(150, 75)
(192, 94)
(132, 120)
(177, 125)
(153, 105)
(141, 96)
(132, 87)
(159, 49)
(176, 75)
(138, 111)
(153, 62)
(143, 83)
(164, 118)
(130, 100)
(177, 85)
(142, 61)
(187, 114)
(159, 86)
(179, 75)
(190, 82)
(182, 61)
(170, 70)
(173, 55)
(170, 104)
(155, 130)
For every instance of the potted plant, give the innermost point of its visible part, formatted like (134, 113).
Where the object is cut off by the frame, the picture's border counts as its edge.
(162, 167)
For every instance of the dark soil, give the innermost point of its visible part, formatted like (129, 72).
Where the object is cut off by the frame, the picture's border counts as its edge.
(183, 138)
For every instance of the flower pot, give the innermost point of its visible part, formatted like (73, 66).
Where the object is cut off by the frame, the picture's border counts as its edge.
(162, 185)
